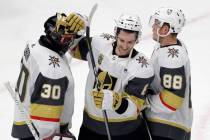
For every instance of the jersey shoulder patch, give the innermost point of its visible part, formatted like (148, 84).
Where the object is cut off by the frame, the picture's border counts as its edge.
(173, 56)
(143, 66)
(107, 36)
(142, 60)
(102, 42)
(104, 37)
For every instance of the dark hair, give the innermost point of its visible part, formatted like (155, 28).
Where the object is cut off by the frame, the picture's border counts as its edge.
(125, 30)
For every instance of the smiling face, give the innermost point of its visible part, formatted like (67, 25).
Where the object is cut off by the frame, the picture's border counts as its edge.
(125, 42)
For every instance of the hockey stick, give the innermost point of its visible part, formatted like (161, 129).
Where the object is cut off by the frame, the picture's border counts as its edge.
(147, 127)
(24, 113)
(94, 65)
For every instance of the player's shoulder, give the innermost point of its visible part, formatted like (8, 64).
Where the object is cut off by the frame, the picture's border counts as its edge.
(103, 38)
(143, 66)
(38, 52)
(173, 56)
(106, 37)
(47, 61)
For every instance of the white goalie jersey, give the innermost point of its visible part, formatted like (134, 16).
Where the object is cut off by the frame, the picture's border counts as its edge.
(46, 89)
(171, 108)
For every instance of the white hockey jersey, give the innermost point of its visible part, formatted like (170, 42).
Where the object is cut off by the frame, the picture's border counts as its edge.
(46, 89)
(122, 75)
(170, 114)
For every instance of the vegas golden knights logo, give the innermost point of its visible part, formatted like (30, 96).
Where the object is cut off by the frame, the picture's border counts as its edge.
(105, 80)
(100, 59)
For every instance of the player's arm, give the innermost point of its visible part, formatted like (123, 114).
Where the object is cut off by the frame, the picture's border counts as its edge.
(81, 50)
(136, 93)
(77, 24)
(173, 86)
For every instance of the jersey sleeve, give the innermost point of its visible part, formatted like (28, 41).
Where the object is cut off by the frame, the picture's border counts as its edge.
(20, 128)
(135, 90)
(81, 50)
(172, 81)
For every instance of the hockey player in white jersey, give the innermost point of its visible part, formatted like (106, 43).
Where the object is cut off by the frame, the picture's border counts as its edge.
(124, 75)
(45, 82)
(170, 115)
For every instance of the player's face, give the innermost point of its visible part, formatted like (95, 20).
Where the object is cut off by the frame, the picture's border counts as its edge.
(125, 43)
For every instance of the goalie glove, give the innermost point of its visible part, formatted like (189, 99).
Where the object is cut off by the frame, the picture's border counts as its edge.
(76, 23)
(107, 99)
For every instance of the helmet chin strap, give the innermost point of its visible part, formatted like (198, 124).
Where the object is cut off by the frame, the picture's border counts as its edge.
(158, 38)
(130, 55)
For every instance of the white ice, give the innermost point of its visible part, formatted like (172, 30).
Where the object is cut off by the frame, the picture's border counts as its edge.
(22, 20)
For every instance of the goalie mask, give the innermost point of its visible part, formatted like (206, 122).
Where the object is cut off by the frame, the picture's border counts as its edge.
(174, 17)
(58, 31)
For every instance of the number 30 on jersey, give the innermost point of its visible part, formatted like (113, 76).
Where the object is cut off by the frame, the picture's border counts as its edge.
(51, 91)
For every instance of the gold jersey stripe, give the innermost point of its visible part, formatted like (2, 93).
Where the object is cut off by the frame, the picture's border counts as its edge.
(46, 111)
(19, 123)
(171, 99)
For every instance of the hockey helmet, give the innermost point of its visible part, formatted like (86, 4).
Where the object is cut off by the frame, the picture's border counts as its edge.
(174, 17)
(129, 22)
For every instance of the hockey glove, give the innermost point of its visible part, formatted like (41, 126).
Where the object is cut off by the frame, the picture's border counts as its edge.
(107, 99)
(76, 23)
